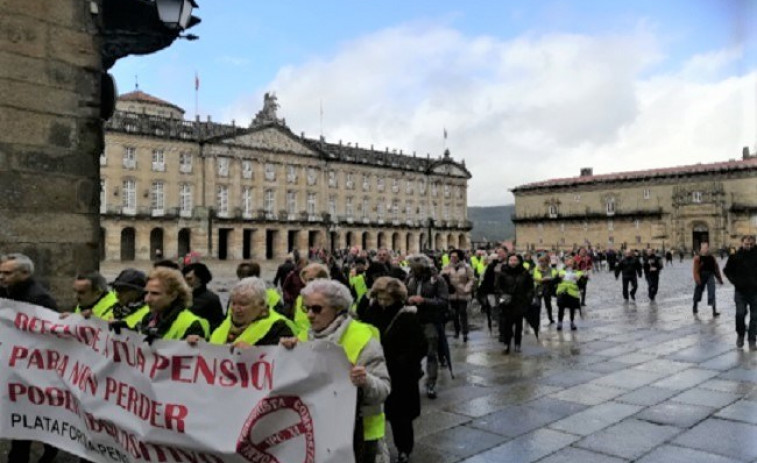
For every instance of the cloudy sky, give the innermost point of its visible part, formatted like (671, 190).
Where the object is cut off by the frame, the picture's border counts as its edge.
(526, 90)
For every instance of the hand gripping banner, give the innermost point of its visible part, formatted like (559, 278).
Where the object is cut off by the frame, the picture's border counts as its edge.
(109, 398)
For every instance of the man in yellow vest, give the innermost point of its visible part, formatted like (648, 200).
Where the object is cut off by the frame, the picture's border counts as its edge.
(93, 296)
(169, 298)
(358, 284)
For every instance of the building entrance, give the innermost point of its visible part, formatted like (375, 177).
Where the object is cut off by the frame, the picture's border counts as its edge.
(700, 234)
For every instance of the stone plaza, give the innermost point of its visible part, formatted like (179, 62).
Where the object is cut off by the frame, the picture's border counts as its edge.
(636, 382)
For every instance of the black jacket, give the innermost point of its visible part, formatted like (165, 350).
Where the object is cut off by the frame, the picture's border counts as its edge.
(434, 291)
(652, 265)
(32, 292)
(164, 324)
(741, 270)
(377, 269)
(282, 272)
(630, 267)
(206, 304)
(518, 283)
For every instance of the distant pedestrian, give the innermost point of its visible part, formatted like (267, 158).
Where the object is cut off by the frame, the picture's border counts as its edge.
(741, 270)
(630, 268)
(568, 294)
(652, 268)
(669, 257)
(460, 279)
(514, 287)
(544, 281)
(706, 271)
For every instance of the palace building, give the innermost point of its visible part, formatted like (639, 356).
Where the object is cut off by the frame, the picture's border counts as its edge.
(677, 207)
(171, 186)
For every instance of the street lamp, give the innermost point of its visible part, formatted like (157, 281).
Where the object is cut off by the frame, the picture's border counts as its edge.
(176, 14)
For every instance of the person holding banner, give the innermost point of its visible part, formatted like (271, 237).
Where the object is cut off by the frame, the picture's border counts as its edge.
(169, 299)
(251, 321)
(327, 304)
(404, 346)
(93, 296)
(18, 284)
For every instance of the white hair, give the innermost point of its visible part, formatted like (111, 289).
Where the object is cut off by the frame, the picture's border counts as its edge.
(253, 287)
(336, 294)
(23, 262)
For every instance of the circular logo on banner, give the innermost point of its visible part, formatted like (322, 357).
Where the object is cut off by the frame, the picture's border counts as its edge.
(257, 442)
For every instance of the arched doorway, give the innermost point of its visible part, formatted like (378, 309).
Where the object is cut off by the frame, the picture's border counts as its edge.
(348, 239)
(380, 240)
(185, 243)
(128, 244)
(102, 244)
(364, 241)
(156, 243)
(395, 241)
(462, 243)
(438, 244)
(700, 233)
(451, 241)
(409, 243)
(422, 242)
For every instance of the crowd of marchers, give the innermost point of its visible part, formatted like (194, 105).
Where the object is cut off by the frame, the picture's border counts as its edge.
(388, 312)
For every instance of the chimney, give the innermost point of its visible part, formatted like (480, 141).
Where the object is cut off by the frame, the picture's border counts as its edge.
(587, 171)
(209, 120)
(745, 153)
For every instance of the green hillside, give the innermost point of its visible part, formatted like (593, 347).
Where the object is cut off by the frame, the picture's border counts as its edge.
(492, 223)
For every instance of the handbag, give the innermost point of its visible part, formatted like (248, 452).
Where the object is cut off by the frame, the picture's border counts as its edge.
(505, 299)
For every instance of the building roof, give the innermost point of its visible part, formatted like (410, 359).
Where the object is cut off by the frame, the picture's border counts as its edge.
(141, 97)
(749, 163)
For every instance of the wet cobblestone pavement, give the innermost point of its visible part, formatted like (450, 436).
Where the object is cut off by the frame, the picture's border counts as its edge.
(645, 382)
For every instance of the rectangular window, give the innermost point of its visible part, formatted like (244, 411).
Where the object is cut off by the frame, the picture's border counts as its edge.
(696, 196)
(610, 206)
(395, 210)
(349, 182)
(129, 197)
(223, 167)
(577, 198)
(380, 210)
(421, 212)
(332, 206)
(291, 204)
(269, 203)
(130, 158)
(332, 179)
(610, 225)
(552, 211)
(270, 172)
(445, 211)
(395, 185)
(247, 203)
(366, 182)
(348, 208)
(103, 198)
(380, 184)
(409, 210)
(185, 200)
(409, 187)
(246, 168)
(223, 201)
(422, 186)
(157, 202)
(312, 176)
(647, 193)
(366, 208)
(434, 189)
(158, 161)
(446, 191)
(185, 163)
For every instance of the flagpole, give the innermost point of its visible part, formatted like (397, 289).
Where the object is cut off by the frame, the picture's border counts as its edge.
(197, 92)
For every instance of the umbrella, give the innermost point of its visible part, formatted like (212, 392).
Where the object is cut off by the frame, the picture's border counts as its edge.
(533, 316)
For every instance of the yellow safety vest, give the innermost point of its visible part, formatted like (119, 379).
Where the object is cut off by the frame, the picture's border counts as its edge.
(253, 333)
(445, 259)
(182, 324)
(353, 341)
(538, 276)
(102, 308)
(272, 298)
(300, 317)
(357, 283)
(135, 317)
(570, 287)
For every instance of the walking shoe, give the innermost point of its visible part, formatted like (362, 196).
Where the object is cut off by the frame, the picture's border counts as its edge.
(715, 313)
(573, 327)
(517, 348)
(559, 326)
(431, 392)
(551, 321)
(465, 338)
(740, 341)
(694, 309)
(507, 350)
(752, 345)
(633, 297)
(403, 457)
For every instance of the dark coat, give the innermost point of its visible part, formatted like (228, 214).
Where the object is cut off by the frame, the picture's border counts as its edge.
(206, 304)
(32, 292)
(652, 266)
(377, 269)
(282, 272)
(741, 270)
(404, 347)
(434, 291)
(517, 282)
(630, 267)
(162, 323)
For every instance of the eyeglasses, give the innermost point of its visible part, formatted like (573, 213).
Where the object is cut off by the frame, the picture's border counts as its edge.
(316, 309)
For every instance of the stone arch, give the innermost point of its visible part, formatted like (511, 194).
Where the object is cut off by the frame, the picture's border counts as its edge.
(184, 242)
(451, 241)
(365, 240)
(349, 240)
(128, 244)
(422, 242)
(462, 241)
(156, 243)
(396, 245)
(380, 240)
(438, 242)
(409, 248)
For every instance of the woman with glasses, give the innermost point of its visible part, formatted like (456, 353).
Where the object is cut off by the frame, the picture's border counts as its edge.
(327, 304)
(309, 273)
(251, 321)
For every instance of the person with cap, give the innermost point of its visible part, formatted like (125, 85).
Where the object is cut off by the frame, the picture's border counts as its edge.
(205, 303)
(18, 283)
(93, 296)
(169, 297)
(250, 322)
(130, 307)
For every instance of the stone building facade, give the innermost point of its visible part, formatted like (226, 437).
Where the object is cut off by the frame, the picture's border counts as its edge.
(676, 207)
(228, 192)
(50, 136)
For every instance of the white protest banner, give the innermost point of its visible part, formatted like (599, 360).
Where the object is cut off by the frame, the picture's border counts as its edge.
(111, 398)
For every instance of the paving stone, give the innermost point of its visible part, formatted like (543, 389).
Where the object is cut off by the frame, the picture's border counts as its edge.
(743, 410)
(628, 439)
(685, 379)
(527, 448)
(698, 396)
(606, 367)
(463, 441)
(741, 374)
(595, 418)
(735, 387)
(634, 358)
(588, 394)
(573, 455)
(647, 395)
(570, 378)
(628, 379)
(675, 454)
(514, 421)
(435, 421)
(681, 415)
(728, 438)
(663, 366)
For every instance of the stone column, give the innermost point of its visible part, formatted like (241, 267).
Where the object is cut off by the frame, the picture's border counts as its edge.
(51, 136)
